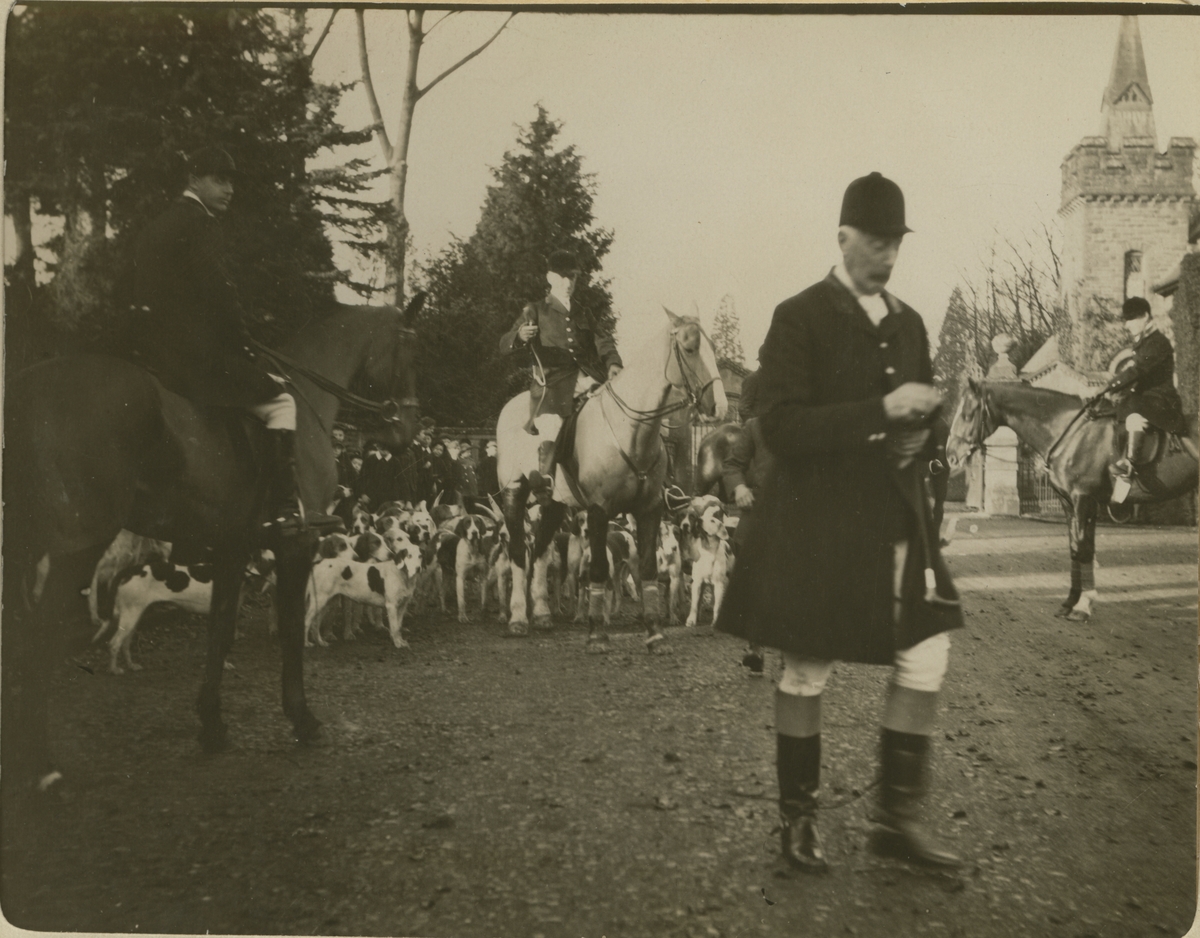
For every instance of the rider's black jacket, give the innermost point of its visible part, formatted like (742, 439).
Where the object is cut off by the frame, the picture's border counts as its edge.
(1151, 379)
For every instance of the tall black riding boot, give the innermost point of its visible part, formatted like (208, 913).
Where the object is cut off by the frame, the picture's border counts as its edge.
(903, 788)
(285, 510)
(798, 764)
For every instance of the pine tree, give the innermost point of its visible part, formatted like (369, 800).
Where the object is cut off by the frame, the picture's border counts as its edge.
(103, 101)
(727, 332)
(957, 355)
(540, 201)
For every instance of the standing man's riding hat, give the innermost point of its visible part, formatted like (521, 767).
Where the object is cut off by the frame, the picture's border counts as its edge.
(874, 204)
(563, 263)
(1135, 308)
(211, 161)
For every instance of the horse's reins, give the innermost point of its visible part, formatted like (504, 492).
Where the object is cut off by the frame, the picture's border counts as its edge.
(389, 410)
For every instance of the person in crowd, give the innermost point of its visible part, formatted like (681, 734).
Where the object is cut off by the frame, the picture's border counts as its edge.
(468, 471)
(379, 478)
(488, 483)
(837, 562)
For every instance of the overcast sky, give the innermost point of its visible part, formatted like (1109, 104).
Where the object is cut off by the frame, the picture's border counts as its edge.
(722, 144)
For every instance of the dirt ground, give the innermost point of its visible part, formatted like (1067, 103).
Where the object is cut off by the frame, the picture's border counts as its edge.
(480, 786)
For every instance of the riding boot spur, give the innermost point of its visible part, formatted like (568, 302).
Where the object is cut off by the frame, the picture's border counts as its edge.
(905, 759)
(285, 511)
(798, 764)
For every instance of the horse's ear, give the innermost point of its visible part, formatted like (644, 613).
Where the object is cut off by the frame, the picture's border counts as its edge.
(409, 316)
(675, 320)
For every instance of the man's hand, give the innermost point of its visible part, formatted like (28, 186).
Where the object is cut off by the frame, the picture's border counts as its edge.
(743, 496)
(613, 371)
(527, 331)
(911, 402)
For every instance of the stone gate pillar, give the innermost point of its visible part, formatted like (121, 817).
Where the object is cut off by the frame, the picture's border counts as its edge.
(1000, 494)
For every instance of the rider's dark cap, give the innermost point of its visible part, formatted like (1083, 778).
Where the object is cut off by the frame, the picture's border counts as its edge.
(874, 204)
(212, 161)
(563, 263)
(1135, 308)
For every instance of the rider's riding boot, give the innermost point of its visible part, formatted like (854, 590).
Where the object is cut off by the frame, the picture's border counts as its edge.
(1125, 465)
(798, 763)
(287, 514)
(541, 480)
(903, 788)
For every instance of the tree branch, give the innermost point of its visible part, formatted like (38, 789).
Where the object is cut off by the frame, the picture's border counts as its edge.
(321, 38)
(442, 20)
(464, 60)
(368, 85)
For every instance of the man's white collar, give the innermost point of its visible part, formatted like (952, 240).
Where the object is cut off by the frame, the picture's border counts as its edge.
(874, 305)
(189, 194)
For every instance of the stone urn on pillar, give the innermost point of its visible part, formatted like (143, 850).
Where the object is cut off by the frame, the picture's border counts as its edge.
(1000, 494)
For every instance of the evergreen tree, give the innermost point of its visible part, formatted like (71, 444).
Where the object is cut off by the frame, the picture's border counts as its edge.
(540, 201)
(957, 355)
(727, 332)
(102, 103)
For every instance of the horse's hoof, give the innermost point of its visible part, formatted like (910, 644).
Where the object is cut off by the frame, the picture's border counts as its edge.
(656, 643)
(307, 730)
(517, 630)
(214, 739)
(1064, 612)
(597, 644)
(400, 643)
(1074, 616)
(542, 623)
(138, 667)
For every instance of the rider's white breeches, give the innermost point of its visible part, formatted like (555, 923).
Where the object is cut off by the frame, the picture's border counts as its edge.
(279, 413)
(1136, 422)
(922, 667)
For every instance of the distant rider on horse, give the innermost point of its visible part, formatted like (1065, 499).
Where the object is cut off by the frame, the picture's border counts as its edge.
(1150, 377)
(193, 329)
(571, 353)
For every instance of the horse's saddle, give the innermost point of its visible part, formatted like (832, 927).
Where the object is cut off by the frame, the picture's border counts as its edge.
(1163, 466)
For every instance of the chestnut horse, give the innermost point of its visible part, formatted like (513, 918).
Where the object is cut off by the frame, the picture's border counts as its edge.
(95, 445)
(1078, 450)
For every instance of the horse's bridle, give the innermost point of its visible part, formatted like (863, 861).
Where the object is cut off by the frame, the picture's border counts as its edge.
(391, 410)
(692, 393)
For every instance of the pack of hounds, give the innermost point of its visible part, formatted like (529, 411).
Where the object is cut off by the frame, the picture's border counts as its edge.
(404, 554)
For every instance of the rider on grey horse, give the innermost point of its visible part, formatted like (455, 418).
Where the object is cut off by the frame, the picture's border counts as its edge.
(1150, 377)
(565, 345)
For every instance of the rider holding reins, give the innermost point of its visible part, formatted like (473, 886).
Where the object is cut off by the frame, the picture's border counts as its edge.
(569, 353)
(193, 332)
(1150, 377)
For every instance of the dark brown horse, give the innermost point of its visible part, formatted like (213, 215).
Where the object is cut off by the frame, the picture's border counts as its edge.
(95, 444)
(1078, 449)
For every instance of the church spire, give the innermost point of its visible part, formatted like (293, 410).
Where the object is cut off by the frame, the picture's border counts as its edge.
(1127, 106)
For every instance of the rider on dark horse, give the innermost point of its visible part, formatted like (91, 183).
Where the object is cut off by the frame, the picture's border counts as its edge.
(1153, 400)
(567, 348)
(193, 333)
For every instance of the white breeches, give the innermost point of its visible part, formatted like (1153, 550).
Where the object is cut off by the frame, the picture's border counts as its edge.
(279, 413)
(921, 667)
(1136, 422)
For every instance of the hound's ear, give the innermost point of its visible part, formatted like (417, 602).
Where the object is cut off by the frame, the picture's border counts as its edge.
(675, 320)
(973, 384)
(461, 528)
(409, 316)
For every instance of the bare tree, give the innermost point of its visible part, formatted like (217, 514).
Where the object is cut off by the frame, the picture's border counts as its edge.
(396, 155)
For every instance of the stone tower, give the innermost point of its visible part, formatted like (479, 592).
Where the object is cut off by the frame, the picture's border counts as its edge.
(1124, 211)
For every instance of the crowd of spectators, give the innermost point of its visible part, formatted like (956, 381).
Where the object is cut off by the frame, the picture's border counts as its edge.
(430, 468)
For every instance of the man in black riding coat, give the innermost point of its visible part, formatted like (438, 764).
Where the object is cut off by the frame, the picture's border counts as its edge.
(193, 333)
(1152, 399)
(566, 343)
(839, 560)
